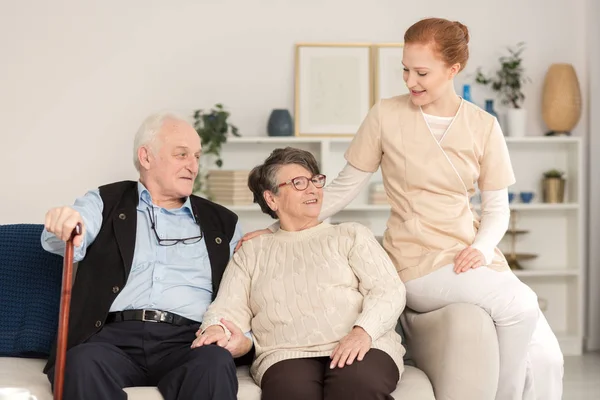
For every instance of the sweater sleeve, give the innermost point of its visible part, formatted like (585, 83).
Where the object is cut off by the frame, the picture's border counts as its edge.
(233, 299)
(342, 190)
(383, 291)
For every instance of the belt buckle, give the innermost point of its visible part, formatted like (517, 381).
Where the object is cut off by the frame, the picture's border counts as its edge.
(146, 319)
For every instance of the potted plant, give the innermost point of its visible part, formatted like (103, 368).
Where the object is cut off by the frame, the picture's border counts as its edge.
(553, 186)
(212, 127)
(508, 82)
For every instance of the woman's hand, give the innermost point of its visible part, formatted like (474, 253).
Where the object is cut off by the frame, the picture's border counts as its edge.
(250, 235)
(213, 334)
(468, 258)
(352, 346)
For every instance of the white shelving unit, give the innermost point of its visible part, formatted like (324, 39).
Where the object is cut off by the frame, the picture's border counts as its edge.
(556, 231)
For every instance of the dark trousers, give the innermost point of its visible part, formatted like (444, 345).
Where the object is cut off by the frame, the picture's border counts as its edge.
(132, 353)
(373, 378)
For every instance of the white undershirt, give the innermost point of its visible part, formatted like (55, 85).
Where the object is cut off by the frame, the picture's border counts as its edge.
(438, 125)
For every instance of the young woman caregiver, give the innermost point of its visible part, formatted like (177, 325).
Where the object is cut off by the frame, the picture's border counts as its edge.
(433, 148)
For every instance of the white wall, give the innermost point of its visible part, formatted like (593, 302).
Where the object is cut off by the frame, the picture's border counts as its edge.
(593, 331)
(77, 77)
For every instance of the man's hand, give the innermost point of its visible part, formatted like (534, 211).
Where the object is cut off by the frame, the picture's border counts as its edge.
(238, 344)
(250, 235)
(61, 221)
(352, 346)
(468, 258)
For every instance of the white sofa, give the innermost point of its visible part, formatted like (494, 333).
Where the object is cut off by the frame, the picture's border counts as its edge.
(27, 373)
(454, 348)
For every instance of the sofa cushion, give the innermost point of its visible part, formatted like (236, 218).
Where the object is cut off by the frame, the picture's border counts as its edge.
(27, 373)
(413, 385)
(30, 282)
(407, 355)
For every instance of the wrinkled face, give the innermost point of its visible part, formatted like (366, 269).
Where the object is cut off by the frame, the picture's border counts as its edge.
(173, 161)
(427, 77)
(294, 204)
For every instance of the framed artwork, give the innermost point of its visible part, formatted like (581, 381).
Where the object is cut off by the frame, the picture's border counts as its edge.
(333, 88)
(388, 70)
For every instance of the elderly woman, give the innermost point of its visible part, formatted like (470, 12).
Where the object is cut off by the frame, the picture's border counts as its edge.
(321, 300)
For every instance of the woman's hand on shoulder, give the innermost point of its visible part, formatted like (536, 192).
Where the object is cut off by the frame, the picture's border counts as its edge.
(251, 235)
(352, 347)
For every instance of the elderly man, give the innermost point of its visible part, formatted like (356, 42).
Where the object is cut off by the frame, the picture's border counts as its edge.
(151, 256)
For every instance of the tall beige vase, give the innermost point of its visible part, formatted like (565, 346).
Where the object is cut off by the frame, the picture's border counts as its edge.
(561, 101)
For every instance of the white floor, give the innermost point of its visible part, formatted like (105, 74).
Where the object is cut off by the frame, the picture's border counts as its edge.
(582, 377)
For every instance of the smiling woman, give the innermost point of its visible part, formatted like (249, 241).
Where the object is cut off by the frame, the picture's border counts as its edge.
(435, 51)
(288, 186)
(321, 300)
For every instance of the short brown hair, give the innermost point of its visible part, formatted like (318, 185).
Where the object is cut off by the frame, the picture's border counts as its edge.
(264, 177)
(450, 38)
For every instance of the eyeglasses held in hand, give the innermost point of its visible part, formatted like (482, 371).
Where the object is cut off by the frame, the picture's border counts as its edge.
(172, 242)
(301, 182)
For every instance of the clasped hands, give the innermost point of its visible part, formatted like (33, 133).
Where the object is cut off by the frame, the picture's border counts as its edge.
(238, 344)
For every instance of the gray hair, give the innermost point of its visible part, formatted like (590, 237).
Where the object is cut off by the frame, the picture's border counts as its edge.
(264, 177)
(148, 132)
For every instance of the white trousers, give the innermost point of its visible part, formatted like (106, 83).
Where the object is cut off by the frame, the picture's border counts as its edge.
(531, 362)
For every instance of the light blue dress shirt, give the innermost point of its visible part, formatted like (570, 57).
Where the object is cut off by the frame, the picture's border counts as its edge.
(174, 278)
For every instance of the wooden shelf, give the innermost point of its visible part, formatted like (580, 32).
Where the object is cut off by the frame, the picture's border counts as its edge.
(358, 207)
(544, 139)
(516, 232)
(539, 206)
(386, 208)
(546, 273)
(347, 139)
(244, 208)
(272, 139)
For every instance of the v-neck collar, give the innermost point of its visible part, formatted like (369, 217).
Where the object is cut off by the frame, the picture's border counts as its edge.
(439, 142)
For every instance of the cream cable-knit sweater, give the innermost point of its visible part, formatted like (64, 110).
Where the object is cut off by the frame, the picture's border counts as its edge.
(301, 292)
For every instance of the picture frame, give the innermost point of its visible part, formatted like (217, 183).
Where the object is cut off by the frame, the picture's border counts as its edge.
(333, 88)
(388, 71)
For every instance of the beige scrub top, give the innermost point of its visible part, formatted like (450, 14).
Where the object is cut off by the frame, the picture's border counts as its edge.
(429, 183)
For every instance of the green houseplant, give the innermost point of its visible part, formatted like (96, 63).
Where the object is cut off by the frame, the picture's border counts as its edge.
(509, 79)
(212, 126)
(553, 173)
(508, 82)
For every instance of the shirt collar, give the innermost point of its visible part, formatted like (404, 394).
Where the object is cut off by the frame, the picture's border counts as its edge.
(144, 198)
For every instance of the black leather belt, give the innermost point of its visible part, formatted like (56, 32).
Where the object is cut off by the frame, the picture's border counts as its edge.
(149, 316)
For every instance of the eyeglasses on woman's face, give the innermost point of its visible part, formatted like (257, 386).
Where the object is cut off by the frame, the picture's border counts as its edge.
(301, 182)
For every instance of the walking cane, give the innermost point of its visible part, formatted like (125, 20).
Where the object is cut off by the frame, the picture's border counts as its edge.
(63, 318)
